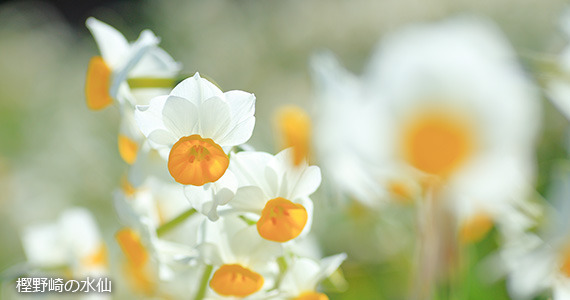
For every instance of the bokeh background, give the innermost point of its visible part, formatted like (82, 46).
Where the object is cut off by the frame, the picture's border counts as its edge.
(55, 153)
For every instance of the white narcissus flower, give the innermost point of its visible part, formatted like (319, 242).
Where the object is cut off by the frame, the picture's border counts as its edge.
(304, 274)
(119, 60)
(244, 264)
(73, 242)
(193, 127)
(275, 193)
(107, 78)
(455, 115)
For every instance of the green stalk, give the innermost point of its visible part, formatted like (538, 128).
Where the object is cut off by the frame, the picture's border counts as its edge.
(148, 82)
(204, 283)
(167, 83)
(164, 228)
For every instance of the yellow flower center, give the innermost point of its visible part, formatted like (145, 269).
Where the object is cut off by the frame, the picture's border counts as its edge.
(98, 84)
(235, 280)
(312, 296)
(127, 149)
(197, 161)
(437, 143)
(295, 127)
(475, 228)
(281, 220)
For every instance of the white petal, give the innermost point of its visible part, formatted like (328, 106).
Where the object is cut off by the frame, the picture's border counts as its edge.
(214, 119)
(162, 137)
(149, 117)
(249, 168)
(249, 199)
(251, 248)
(242, 109)
(206, 199)
(225, 187)
(330, 264)
(156, 63)
(180, 116)
(146, 42)
(242, 105)
(112, 44)
(308, 181)
(239, 134)
(294, 181)
(302, 276)
(196, 89)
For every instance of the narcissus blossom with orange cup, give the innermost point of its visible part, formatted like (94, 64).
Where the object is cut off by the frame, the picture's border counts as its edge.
(194, 127)
(244, 264)
(274, 192)
(119, 60)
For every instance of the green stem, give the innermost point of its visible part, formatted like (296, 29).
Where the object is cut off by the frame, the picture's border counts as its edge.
(204, 282)
(167, 83)
(147, 82)
(162, 229)
(282, 263)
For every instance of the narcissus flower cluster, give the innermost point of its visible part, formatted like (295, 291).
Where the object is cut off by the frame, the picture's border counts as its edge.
(201, 216)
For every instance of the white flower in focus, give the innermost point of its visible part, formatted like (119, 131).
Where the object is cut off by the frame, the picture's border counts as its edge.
(119, 60)
(275, 192)
(302, 277)
(194, 126)
(244, 263)
(73, 242)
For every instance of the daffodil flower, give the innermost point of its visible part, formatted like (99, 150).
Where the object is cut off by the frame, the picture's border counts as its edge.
(275, 193)
(244, 263)
(119, 60)
(194, 127)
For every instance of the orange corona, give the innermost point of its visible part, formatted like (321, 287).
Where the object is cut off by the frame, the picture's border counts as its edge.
(98, 84)
(235, 280)
(194, 160)
(281, 220)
